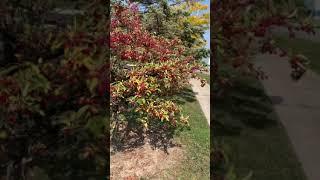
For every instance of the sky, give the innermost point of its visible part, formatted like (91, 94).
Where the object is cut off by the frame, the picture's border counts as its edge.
(207, 34)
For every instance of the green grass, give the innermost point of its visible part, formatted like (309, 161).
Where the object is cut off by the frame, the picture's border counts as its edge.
(307, 48)
(205, 76)
(316, 23)
(252, 136)
(196, 140)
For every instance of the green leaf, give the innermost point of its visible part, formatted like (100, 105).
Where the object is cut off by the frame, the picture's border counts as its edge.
(35, 107)
(25, 90)
(141, 101)
(7, 70)
(66, 118)
(92, 84)
(87, 62)
(81, 112)
(96, 125)
(42, 113)
(231, 174)
(293, 14)
(248, 177)
(38, 174)
(3, 134)
(56, 45)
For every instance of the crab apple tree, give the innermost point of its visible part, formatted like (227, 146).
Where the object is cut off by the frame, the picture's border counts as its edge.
(146, 70)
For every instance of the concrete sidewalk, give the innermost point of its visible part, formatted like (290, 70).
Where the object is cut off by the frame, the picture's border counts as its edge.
(203, 96)
(298, 107)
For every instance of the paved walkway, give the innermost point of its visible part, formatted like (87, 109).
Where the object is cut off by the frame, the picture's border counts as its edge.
(203, 96)
(298, 107)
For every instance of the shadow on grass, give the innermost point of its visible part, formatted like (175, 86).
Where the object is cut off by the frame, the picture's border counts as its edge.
(244, 105)
(186, 95)
(250, 134)
(276, 100)
(247, 129)
(133, 135)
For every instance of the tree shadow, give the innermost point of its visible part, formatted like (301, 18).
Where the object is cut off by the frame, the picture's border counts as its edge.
(245, 105)
(276, 100)
(186, 95)
(162, 138)
(127, 138)
(158, 136)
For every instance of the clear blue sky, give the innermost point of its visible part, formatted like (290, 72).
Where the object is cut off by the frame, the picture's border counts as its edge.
(207, 34)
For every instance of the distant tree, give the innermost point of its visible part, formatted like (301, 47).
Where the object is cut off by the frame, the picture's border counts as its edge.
(183, 19)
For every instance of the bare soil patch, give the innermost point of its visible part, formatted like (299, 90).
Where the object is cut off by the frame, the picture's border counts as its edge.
(145, 162)
(144, 154)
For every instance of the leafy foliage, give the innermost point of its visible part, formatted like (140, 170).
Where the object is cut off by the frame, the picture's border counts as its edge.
(53, 93)
(240, 30)
(182, 19)
(147, 69)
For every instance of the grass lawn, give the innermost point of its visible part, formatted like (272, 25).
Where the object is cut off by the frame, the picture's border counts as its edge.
(195, 141)
(205, 76)
(252, 136)
(189, 157)
(316, 22)
(308, 48)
